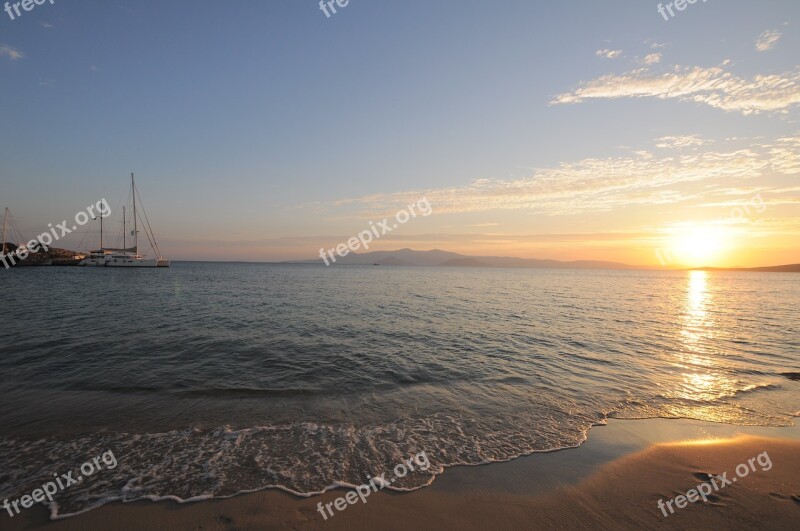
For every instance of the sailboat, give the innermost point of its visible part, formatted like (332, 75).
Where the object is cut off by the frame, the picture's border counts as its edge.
(5, 220)
(96, 258)
(31, 259)
(128, 256)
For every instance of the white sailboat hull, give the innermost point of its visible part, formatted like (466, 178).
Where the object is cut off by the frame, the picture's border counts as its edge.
(131, 262)
(93, 261)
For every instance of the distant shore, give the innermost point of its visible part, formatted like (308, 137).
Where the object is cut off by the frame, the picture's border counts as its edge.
(791, 268)
(439, 258)
(614, 480)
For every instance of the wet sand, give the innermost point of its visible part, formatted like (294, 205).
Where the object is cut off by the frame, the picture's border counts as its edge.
(614, 481)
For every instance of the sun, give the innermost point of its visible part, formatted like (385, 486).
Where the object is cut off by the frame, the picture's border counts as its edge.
(699, 245)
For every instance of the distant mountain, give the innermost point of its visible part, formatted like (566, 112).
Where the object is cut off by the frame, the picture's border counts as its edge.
(436, 257)
(439, 258)
(407, 257)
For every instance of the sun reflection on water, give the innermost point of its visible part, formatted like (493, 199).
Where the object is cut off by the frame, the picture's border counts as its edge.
(697, 326)
(701, 378)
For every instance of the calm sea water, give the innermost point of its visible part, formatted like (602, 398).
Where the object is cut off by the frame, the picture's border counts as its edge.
(212, 379)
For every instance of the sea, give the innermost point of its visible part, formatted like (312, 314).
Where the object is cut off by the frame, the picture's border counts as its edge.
(206, 380)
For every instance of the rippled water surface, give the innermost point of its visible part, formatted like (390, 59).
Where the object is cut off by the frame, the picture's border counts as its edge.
(212, 379)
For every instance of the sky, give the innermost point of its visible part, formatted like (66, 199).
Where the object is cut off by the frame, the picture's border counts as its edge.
(264, 131)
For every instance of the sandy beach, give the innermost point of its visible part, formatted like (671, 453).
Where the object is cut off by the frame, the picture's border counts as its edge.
(614, 481)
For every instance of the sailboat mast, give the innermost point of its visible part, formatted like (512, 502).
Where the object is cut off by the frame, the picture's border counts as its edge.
(101, 232)
(124, 230)
(135, 229)
(5, 217)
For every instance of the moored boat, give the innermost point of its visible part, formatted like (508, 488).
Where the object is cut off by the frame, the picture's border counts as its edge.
(95, 259)
(127, 256)
(20, 255)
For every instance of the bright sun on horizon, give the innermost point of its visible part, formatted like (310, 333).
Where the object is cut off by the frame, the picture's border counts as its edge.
(700, 245)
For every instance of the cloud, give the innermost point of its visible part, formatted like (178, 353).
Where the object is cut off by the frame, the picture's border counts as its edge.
(786, 155)
(608, 54)
(710, 86)
(93, 68)
(603, 184)
(767, 40)
(651, 59)
(668, 142)
(47, 25)
(11, 53)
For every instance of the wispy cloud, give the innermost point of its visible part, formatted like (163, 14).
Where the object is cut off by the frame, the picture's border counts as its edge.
(711, 86)
(46, 25)
(668, 142)
(11, 53)
(786, 155)
(608, 54)
(767, 40)
(604, 184)
(652, 58)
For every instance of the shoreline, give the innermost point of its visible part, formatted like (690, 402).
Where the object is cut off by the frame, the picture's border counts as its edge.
(639, 461)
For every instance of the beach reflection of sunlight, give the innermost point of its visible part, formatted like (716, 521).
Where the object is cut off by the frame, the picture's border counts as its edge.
(709, 441)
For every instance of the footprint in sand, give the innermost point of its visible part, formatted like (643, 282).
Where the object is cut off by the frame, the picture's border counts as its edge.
(306, 514)
(783, 497)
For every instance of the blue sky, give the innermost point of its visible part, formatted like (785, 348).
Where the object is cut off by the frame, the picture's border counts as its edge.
(269, 130)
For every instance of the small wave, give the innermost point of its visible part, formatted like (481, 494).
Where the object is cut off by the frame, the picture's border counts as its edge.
(115, 388)
(590, 359)
(302, 458)
(244, 391)
(750, 372)
(510, 380)
(755, 388)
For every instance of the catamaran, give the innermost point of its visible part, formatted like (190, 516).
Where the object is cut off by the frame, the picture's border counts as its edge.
(127, 256)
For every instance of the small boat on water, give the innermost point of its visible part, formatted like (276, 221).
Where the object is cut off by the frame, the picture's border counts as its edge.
(126, 256)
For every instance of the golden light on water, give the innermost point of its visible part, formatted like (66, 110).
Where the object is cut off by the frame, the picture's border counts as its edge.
(699, 378)
(697, 324)
(697, 293)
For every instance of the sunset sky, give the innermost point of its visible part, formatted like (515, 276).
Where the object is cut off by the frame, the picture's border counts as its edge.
(264, 130)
